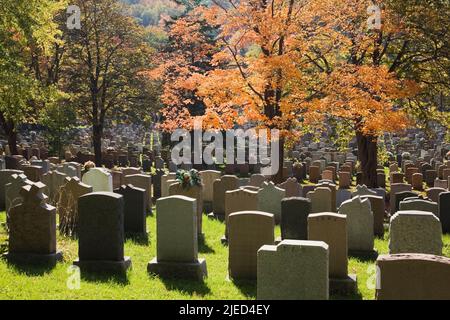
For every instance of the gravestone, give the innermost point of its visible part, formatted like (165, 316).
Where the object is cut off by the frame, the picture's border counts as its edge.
(53, 181)
(248, 231)
(142, 181)
(131, 171)
(177, 243)
(419, 205)
(415, 232)
(101, 234)
(362, 190)
(417, 181)
(277, 279)
(433, 193)
(430, 176)
(331, 228)
(413, 276)
(320, 200)
(156, 180)
(239, 200)
(67, 208)
(5, 178)
(400, 196)
(332, 188)
(359, 225)
(99, 179)
(164, 185)
(378, 209)
(345, 180)
(208, 177)
(444, 211)
(13, 191)
(257, 180)
(117, 177)
(33, 173)
(292, 188)
(195, 192)
(269, 200)
(32, 229)
(314, 174)
(396, 188)
(294, 218)
(134, 209)
(220, 187)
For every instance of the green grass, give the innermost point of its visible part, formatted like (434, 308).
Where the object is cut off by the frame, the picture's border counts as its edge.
(38, 283)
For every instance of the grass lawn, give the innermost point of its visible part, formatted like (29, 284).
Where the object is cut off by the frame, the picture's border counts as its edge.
(38, 283)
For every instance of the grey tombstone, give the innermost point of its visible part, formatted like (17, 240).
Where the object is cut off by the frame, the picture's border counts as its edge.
(269, 200)
(208, 177)
(277, 279)
(419, 205)
(294, 218)
(342, 195)
(177, 242)
(257, 180)
(292, 188)
(433, 193)
(53, 181)
(248, 231)
(396, 188)
(359, 225)
(5, 178)
(13, 190)
(101, 234)
(134, 210)
(32, 229)
(220, 187)
(377, 205)
(320, 200)
(415, 232)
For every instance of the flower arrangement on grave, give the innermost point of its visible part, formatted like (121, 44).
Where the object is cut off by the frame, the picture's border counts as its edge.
(188, 178)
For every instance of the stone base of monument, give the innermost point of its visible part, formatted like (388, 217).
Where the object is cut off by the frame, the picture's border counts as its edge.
(367, 255)
(213, 216)
(34, 259)
(178, 270)
(104, 266)
(343, 286)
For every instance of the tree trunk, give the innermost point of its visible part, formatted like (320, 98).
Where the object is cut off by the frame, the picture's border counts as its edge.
(10, 131)
(367, 155)
(97, 134)
(278, 178)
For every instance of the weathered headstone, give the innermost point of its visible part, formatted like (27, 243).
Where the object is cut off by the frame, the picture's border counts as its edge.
(415, 232)
(177, 243)
(378, 209)
(359, 224)
(142, 181)
(101, 233)
(5, 178)
(419, 205)
(277, 279)
(320, 200)
(53, 181)
(67, 207)
(208, 177)
(134, 209)
(239, 200)
(294, 218)
(413, 276)
(292, 188)
(220, 187)
(269, 200)
(32, 229)
(100, 180)
(331, 228)
(248, 231)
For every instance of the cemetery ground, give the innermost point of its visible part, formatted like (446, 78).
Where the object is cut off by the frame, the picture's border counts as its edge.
(41, 283)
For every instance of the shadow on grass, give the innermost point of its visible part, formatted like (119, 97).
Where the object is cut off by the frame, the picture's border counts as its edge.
(118, 278)
(139, 239)
(203, 247)
(246, 287)
(30, 270)
(364, 256)
(188, 286)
